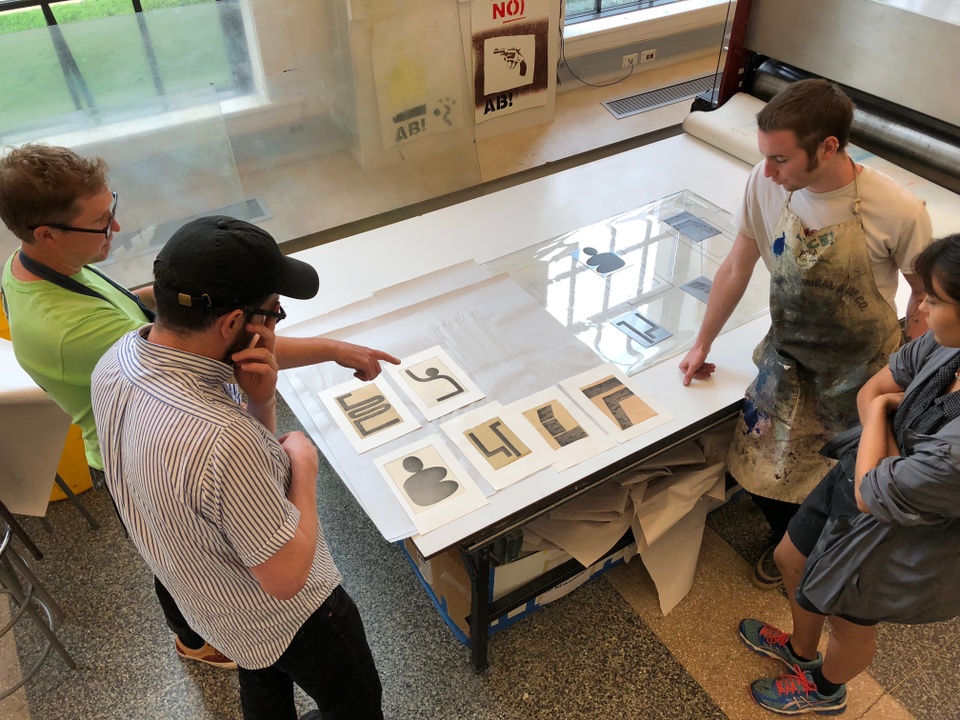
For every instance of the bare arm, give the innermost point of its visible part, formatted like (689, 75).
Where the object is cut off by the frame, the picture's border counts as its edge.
(297, 352)
(916, 319)
(286, 572)
(728, 287)
(146, 296)
(877, 441)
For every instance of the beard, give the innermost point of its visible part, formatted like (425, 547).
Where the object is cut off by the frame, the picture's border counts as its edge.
(240, 342)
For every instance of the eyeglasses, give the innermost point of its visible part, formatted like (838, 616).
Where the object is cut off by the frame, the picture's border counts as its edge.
(281, 315)
(107, 232)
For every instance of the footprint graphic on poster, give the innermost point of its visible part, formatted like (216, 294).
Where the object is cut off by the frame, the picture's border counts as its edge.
(605, 262)
(447, 104)
(427, 486)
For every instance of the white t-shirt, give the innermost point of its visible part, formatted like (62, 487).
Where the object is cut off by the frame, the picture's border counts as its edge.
(895, 222)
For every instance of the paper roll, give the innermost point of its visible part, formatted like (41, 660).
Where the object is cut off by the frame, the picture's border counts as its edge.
(731, 127)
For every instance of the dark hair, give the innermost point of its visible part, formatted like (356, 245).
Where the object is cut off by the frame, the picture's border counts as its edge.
(813, 109)
(44, 184)
(183, 319)
(941, 262)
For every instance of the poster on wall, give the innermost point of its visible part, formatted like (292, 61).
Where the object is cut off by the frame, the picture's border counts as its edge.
(419, 74)
(510, 67)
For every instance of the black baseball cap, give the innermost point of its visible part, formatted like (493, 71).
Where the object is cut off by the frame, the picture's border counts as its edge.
(222, 262)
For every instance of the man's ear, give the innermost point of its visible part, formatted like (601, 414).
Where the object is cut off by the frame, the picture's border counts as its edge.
(231, 322)
(830, 147)
(42, 235)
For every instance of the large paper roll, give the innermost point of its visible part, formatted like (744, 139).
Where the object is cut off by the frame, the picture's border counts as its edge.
(731, 127)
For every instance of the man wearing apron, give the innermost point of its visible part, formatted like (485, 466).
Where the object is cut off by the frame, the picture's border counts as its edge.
(833, 235)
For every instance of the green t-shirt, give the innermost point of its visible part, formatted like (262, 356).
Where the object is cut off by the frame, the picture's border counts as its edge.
(59, 336)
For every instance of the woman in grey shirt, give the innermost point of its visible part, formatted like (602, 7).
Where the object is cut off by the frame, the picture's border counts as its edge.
(878, 540)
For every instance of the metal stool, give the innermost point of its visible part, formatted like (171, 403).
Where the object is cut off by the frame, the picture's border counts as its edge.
(26, 594)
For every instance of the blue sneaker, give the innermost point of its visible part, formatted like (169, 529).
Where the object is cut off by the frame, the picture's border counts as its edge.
(771, 642)
(794, 694)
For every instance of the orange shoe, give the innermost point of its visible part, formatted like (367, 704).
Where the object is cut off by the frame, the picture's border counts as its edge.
(207, 654)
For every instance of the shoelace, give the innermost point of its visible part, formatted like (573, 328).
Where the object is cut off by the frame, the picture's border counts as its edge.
(774, 636)
(796, 683)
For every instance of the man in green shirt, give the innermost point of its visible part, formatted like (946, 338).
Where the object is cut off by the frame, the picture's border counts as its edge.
(64, 314)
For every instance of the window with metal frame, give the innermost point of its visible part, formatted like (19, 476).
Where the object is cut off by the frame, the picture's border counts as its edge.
(580, 10)
(105, 60)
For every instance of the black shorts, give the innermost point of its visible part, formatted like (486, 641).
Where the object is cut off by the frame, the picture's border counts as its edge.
(834, 496)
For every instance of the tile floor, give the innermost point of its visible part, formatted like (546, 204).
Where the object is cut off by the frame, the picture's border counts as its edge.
(604, 651)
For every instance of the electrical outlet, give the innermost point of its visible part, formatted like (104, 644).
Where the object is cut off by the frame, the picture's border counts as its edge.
(629, 60)
(648, 55)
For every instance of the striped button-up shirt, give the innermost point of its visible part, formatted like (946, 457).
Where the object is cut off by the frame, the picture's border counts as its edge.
(201, 487)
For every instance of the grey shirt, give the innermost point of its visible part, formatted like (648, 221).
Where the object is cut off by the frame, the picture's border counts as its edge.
(922, 488)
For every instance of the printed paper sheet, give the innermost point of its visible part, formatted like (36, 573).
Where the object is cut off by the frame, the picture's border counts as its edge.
(435, 383)
(615, 402)
(369, 413)
(430, 483)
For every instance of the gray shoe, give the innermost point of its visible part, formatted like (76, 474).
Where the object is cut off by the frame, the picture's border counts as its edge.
(766, 574)
(769, 641)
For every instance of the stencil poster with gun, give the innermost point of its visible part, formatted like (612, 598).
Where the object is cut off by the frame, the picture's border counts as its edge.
(513, 58)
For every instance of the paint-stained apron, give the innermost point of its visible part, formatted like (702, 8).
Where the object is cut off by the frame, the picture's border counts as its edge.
(831, 330)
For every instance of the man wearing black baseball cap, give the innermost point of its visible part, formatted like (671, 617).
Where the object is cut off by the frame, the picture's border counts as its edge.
(223, 512)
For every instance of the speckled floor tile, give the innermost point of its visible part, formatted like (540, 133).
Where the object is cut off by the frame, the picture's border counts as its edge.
(901, 649)
(884, 708)
(589, 656)
(930, 692)
(710, 650)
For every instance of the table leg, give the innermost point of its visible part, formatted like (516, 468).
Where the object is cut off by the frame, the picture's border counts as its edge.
(478, 566)
(72, 497)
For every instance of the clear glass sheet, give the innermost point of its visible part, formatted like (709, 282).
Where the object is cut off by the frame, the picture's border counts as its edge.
(173, 177)
(657, 260)
(328, 159)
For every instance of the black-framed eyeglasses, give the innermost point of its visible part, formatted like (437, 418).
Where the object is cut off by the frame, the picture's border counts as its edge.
(107, 232)
(279, 315)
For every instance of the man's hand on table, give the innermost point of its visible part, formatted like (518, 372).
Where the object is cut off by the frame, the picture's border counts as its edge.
(695, 366)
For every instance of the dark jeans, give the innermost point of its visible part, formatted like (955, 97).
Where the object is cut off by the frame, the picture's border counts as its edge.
(330, 659)
(778, 514)
(171, 613)
(175, 619)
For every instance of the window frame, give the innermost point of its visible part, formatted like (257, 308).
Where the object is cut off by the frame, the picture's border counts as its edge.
(599, 11)
(236, 43)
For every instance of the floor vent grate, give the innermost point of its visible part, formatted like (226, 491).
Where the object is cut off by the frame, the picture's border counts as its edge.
(256, 209)
(641, 102)
(253, 210)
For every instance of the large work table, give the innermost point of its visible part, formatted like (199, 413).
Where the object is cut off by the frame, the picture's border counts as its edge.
(501, 223)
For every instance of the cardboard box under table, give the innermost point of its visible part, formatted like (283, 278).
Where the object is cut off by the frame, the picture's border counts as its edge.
(515, 589)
